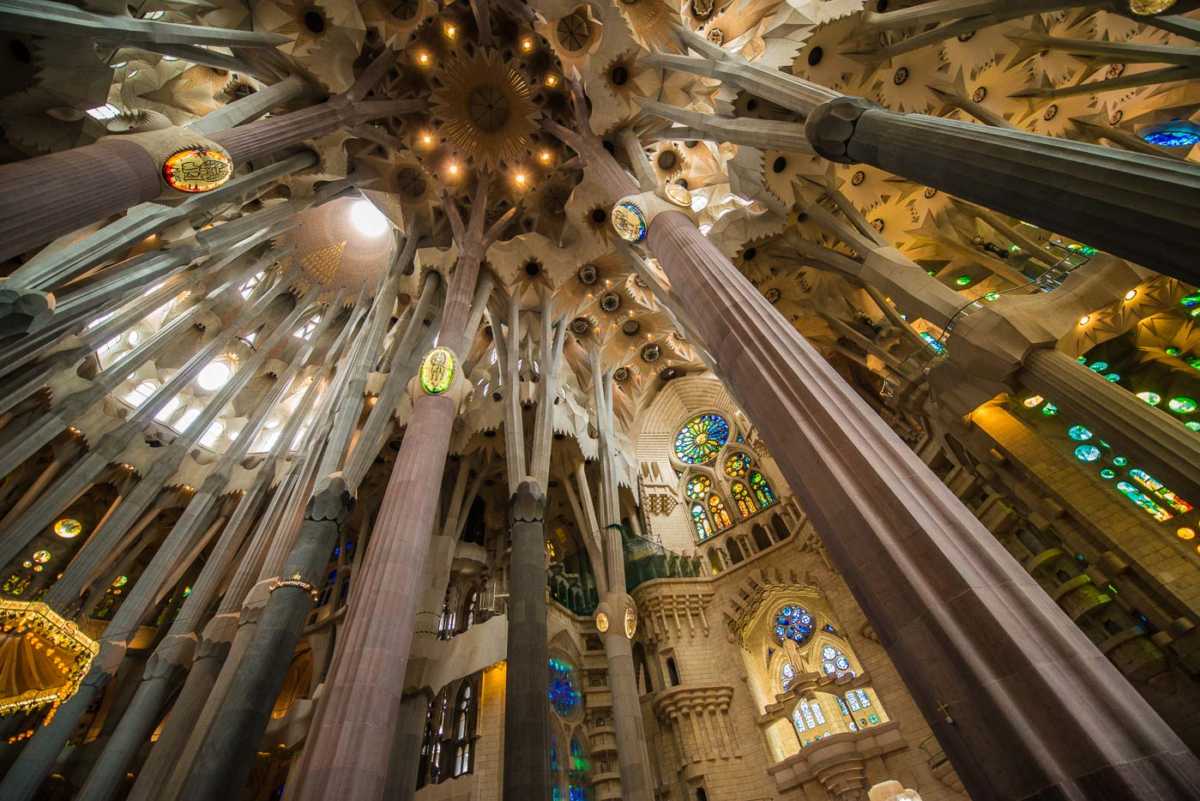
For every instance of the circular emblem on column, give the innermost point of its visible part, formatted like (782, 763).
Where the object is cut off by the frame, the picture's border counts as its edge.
(678, 195)
(437, 371)
(197, 169)
(629, 221)
(601, 622)
(630, 622)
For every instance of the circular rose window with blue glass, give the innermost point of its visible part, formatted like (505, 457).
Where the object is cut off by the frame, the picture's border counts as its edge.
(793, 623)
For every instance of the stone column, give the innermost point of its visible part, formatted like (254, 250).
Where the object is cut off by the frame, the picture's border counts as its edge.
(526, 703)
(1139, 207)
(346, 754)
(410, 732)
(1022, 701)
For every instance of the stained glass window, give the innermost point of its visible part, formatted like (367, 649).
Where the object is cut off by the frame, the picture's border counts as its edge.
(698, 487)
(787, 674)
(834, 662)
(793, 623)
(737, 465)
(1087, 453)
(700, 521)
(808, 716)
(743, 499)
(1160, 490)
(1143, 501)
(858, 699)
(464, 715)
(718, 513)
(564, 688)
(701, 438)
(1079, 433)
(762, 490)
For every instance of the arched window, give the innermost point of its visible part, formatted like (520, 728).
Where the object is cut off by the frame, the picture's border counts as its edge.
(714, 560)
(779, 526)
(735, 552)
(807, 716)
(743, 499)
(427, 744)
(449, 617)
(762, 540)
(443, 723)
(834, 662)
(762, 490)
(672, 672)
(737, 465)
(718, 513)
(787, 674)
(469, 609)
(564, 687)
(857, 699)
(700, 522)
(464, 729)
(141, 393)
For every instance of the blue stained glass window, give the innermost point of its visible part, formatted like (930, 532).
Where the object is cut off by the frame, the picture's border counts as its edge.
(1174, 134)
(564, 687)
(576, 793)
(701, 438)
(1079, 433)
(1087, 453)
(793, 623)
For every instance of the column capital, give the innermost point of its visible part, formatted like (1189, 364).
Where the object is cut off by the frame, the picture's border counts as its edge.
(830, 126)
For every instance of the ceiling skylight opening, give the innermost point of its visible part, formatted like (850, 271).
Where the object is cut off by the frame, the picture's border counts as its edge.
(214, 375)
(367, 219)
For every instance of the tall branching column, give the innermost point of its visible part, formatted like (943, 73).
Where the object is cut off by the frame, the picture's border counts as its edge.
(526, 705)
(348, 752)
(1022, 701)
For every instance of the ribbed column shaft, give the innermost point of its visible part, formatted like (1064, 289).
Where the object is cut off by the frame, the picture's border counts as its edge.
(1053, 182)
(43, 198)
(526, 704)
(1158, 442)
(1023, 703)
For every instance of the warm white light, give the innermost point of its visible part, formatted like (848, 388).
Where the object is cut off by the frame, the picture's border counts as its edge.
(545, 156)
(453, 170)
(367, 219)
(552, 80)
(426, 139)
(451, 30)
(214, 375)
(526, 44)
(1131, 294)
(521, 179)
(423, 58)
(1085, 319)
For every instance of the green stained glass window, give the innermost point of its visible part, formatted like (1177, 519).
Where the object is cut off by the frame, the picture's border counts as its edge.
(701, 438)
(1152, 398)
(1193, 425)
(1108, 473)
(1120, 461)
(1079, 433)
(762, 490)
(1112, 377)
(743, 500)
(1160, 490)
(700, 522)
(1143, 502)
(1182, 404)
(698, 487)
(737, 465)
(1098, 367)
(1087, 453)
(1049, 409)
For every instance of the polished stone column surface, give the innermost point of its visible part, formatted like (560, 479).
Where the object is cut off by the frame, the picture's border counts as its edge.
(1023, 703)
(48, 196)
(1139, 207)
(526, 702)
(350, 748)
(223, 762)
